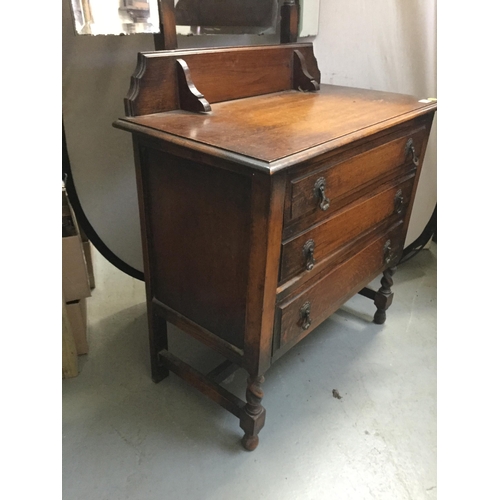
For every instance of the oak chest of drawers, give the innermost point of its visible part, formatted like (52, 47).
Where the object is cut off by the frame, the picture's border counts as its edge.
(266, 202)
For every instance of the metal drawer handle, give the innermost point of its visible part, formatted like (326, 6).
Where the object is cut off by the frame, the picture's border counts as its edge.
(398, 201)
(308, 251)
(305, 315)
(387, 252)
(410, 148)
(319, 191)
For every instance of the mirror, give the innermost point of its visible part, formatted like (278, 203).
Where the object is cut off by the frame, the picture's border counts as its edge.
(115, 17)
(193, 17)
(199, 17)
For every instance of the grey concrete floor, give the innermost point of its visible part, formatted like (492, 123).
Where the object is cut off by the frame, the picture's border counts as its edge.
(125, 437)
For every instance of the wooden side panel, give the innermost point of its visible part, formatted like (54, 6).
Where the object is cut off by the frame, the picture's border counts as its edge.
(219, 74)
(267, 224)
(199, 241)
(157, 326)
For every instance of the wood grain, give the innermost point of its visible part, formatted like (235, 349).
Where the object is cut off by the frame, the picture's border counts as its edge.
(229, 197)
(344, 226)
(157, 329)
(347, 176)
(167, 38)
(219, 74)
(283, 124)
(289, 23)
(200, 242)
(331, 291)
(190, 98)
(302, 79)
(267, 222)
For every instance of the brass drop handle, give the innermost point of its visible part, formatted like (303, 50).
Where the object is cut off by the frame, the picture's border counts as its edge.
(410, 148)
(319, 191)
(398, 201)
(387, 252)
(308, 251)
(305, 315)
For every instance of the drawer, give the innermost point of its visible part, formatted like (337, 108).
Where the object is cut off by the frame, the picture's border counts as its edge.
(335, 181)
(302, 253)
(299, 315)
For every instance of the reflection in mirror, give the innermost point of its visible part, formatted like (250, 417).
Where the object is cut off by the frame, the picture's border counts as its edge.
(226, 16)
(115, 17)
(193, 17)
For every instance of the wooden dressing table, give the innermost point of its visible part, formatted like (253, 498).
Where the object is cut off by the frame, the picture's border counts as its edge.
(267, 200)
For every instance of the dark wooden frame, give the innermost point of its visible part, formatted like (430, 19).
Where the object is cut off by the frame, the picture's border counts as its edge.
(170, 81)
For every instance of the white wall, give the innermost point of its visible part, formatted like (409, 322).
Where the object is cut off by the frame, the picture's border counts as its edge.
(385, 45)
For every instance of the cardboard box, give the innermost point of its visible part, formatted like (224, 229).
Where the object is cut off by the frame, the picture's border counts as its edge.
(77, 315)
(69, 353)
(88, 258)
(75, 279)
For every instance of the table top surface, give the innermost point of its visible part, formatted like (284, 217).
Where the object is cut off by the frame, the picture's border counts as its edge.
(271, 127)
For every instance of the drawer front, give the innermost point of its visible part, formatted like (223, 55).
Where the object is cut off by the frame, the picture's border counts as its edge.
(302, 313)
(317, 195)
(303, 252)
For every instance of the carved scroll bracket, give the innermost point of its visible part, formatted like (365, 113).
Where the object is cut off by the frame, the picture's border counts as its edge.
(302, 79)
(190, 98)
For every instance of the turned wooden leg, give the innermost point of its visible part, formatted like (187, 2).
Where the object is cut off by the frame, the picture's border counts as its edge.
(253, 414)
(383, 298)
(157, 342)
